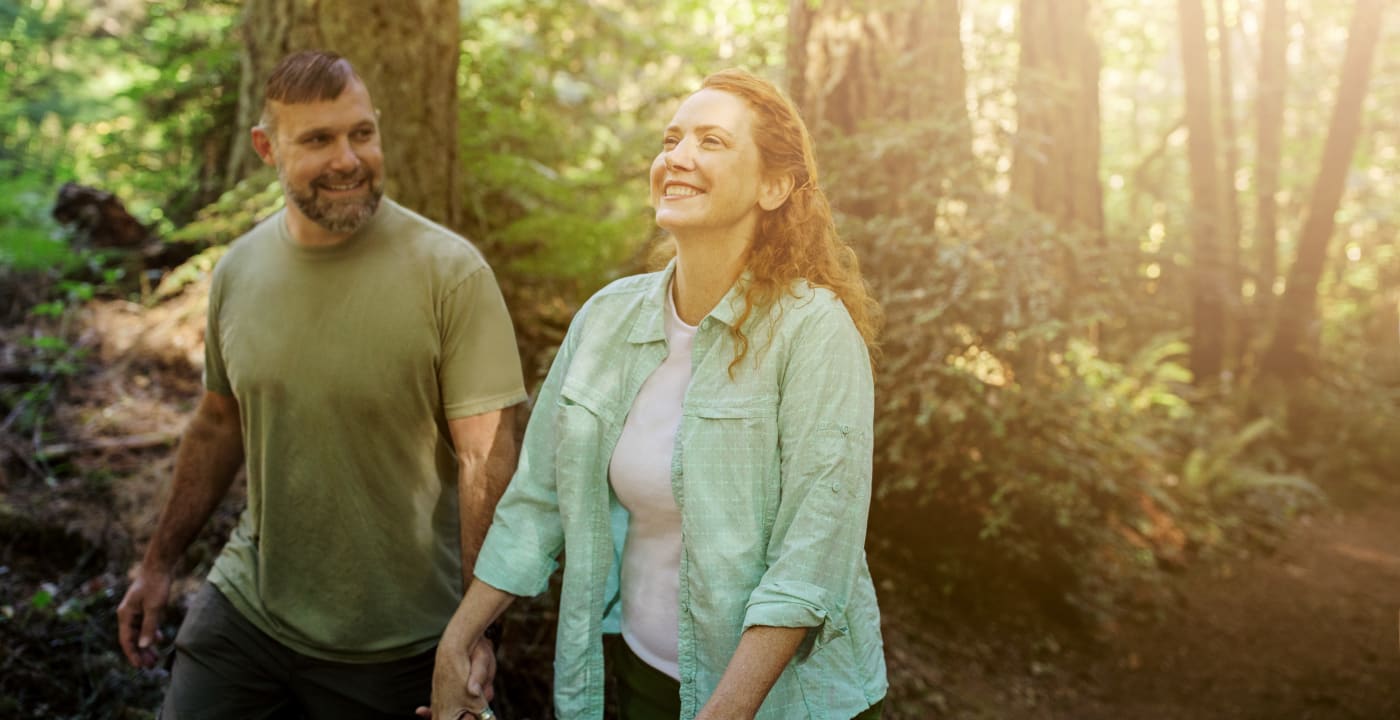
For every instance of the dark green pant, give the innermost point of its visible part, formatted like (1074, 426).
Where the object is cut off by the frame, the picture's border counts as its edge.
(645, 693)
(227, 669)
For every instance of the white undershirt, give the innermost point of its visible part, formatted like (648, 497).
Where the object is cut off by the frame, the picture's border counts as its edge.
(640, 473)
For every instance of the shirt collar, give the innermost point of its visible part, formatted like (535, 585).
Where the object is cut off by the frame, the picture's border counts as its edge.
(650, 324)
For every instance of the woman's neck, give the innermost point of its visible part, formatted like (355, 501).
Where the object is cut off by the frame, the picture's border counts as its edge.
(704, 273)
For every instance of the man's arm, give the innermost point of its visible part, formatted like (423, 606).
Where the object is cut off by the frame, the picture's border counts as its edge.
(210, 454)
(486, 453)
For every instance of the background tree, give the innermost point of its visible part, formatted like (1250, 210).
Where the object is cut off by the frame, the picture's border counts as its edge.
(1208, 284)
(1229, 198)
(1056, 165)
(1296, 333)
(1273, 75)
(896, 66)
(407, 53)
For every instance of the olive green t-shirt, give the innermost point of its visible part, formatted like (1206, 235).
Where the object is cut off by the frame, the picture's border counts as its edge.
(347, 362)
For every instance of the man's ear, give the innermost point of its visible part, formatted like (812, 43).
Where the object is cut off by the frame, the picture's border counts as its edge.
(264, 145)
(775, 191)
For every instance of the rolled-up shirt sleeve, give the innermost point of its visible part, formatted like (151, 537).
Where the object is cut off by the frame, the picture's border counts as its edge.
(825, 426)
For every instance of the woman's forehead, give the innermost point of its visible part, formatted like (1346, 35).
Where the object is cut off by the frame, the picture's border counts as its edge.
(715, 107)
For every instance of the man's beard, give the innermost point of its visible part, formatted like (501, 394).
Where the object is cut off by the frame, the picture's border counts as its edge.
(341, 217)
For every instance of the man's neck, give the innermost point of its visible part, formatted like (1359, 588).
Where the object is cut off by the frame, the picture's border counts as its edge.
(307, 232)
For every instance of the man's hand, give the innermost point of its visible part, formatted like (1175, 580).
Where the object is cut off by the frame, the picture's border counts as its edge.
(139, 614)
(462, 682)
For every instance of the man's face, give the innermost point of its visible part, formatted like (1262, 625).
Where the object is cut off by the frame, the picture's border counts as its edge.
(328, 158)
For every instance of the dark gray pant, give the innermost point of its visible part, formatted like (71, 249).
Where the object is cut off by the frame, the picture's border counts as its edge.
(227, 669)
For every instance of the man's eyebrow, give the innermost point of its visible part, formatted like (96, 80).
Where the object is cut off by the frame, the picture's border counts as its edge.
(328, 130)
(312, 132)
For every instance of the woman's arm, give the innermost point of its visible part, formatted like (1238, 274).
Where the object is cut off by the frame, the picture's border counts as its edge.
(763, 653)
(466, 663)
(817, 545)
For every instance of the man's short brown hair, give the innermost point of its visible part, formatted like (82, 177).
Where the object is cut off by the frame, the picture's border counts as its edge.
(306, 76)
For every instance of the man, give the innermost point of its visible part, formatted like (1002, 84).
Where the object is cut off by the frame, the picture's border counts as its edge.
(360, 359)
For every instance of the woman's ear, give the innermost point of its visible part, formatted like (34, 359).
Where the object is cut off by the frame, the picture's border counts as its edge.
(775, 191)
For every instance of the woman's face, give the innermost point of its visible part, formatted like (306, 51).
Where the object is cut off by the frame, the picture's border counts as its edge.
(709, 175)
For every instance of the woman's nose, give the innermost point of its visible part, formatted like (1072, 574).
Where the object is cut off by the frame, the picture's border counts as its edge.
(679, 156)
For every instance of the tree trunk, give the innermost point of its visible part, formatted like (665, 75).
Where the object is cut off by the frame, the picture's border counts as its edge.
(1295, 335)
(406, 53)
(1273, 76)
(855, 65)
(1229, 198)
(1208, 283)
(1056, 166)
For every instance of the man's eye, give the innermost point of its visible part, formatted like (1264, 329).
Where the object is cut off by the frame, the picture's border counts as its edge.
(712, 141)
(364, 134)
(669, 142)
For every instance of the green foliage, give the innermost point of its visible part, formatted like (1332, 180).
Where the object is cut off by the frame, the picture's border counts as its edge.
(561, 106)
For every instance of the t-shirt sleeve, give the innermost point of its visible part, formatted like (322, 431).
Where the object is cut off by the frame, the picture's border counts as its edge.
(215, 375)
(480, 368)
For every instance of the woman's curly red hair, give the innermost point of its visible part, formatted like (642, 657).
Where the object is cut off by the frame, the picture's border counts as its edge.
(797, 241)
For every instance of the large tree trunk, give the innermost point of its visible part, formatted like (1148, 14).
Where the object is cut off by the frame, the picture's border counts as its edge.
(855, 65)
(1295, 336)
(407, 53)
(1273, 75)
(1229, 199)
(1056, 166)
(1208, 284)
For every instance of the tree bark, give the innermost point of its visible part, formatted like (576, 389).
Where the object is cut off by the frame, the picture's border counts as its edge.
(1056, 165)
(1273, 77)
(1229, 198)
(854, 65)
(407, 54)
(1208, 283)
(1296, 332)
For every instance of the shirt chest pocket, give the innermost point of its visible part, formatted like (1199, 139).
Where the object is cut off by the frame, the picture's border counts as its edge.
(586, 426)
(730, 454)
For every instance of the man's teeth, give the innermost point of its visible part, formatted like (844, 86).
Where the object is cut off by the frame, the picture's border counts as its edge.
(348, 186)
(681, 191)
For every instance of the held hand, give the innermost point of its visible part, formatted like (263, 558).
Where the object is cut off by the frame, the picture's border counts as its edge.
(462, 681)
(139, 614)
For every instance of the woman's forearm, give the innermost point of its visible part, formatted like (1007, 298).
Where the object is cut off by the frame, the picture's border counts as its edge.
(762, 654)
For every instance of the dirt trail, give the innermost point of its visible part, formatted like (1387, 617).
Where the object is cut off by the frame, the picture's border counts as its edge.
(1308, 631)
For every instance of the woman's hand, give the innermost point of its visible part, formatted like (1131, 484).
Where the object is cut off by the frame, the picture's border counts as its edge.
(461, 681)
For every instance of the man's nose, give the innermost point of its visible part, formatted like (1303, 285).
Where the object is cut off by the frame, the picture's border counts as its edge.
(344, 159)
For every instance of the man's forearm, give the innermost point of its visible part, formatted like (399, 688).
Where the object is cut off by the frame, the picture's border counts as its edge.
(487, 455)
(210, 453)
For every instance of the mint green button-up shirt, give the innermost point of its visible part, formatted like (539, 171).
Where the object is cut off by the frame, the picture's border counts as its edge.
(771, 471)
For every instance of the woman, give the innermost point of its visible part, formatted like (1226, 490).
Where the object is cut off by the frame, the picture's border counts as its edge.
(701, 450)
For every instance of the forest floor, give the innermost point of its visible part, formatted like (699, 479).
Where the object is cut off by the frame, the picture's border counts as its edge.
(1305, 628)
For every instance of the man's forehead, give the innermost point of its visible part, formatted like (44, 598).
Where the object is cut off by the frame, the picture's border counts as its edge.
(351, 107)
